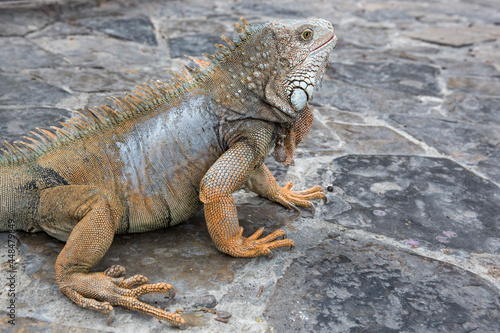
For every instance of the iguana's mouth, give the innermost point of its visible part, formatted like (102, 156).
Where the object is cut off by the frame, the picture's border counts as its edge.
(334, 39)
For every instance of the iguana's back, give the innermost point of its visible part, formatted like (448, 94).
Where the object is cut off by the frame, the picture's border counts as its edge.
(153, 164)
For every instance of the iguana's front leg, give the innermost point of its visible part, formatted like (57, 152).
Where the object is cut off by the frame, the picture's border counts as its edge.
(92, 215)
(264, 184)
(228, 174)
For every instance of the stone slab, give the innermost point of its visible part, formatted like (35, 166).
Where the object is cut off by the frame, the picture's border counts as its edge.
(193, 45)
(434, 201)
(40, 326)
(18, 53)
(102, 51)
(329, 137)
(137, 29)
(17, 122)
(405, 77)
(475, 85)
(353, 285)
(351, 97)
(18, 23)
(20, 90)
(458, 36)
(93, 80)
(59, 29)
(484, 110)
(475, 145)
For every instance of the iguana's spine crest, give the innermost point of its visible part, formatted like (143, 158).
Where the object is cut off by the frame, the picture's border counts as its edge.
(145, 99)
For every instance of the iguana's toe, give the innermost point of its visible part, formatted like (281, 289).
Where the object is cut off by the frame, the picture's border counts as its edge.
(134, 281)
(115, 271)
(292, 199)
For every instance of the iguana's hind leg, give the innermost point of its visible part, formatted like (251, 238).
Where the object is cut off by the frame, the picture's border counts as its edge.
(264, 184)
(87, 218)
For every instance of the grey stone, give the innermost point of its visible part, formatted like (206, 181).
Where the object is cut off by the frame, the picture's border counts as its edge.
(457, 36)
(331, 137)
(382, 15)
(59, 29)
(433, 200)
(407, 77)
(137, 29)
(335, 115)
(334, 206)
(104, 52)
(172, 27)
(93, 80)
(347, 96)
(17, 53)
(207, 301)
(351, 285)
(40, 326)
(353, 36)
(484, 110)
(193, 45)
(380, 88)
(473, 144)
(271, 9)
(475, 85)
(18, 91)
(17, 122)
(19, 22)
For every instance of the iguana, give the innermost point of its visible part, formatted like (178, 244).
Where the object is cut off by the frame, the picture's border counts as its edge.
(164, 153)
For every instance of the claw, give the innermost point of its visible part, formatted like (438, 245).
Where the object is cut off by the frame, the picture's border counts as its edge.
(111, 317)
(295, 208)
(313, 209)
(270, 255)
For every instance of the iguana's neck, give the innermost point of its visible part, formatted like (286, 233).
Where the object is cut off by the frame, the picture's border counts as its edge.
(240, 80)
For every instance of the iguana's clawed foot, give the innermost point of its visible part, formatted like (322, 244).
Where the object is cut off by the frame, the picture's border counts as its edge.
(253, 246)
(102, 291)
(291, 199)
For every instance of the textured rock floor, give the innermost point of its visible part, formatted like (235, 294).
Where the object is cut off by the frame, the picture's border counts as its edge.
(406, 139)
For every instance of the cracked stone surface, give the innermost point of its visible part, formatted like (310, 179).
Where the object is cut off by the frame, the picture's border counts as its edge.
(340, 286)
(406, 143)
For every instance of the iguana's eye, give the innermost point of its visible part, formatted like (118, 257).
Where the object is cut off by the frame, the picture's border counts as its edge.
(307, 34)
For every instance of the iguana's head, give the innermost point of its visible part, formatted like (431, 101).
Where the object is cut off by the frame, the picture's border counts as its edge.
(302, 51)
(280, 62)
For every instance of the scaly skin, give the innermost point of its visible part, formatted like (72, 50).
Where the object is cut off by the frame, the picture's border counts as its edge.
(164, 154)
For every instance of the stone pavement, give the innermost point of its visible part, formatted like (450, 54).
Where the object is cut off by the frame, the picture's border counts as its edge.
(406, 140)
